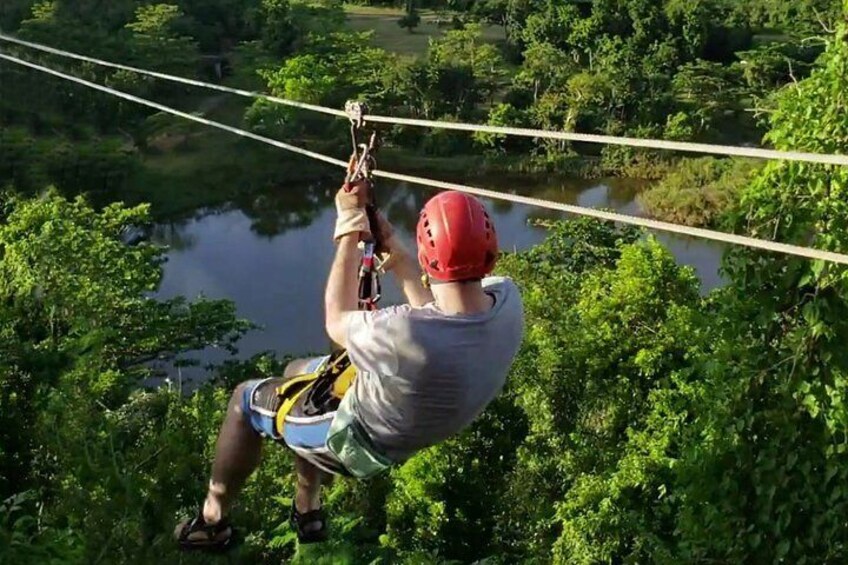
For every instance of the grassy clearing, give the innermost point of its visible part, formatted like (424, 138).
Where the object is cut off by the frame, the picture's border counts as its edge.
(211, 168)
(699, 192)
(378, 10)
(391, 37)
(197, 166)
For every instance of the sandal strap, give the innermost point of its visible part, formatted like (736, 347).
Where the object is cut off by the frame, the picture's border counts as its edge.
(300, 520)
(199, 525)
(308, 517)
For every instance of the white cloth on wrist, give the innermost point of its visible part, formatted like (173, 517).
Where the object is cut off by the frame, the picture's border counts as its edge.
(351, 221)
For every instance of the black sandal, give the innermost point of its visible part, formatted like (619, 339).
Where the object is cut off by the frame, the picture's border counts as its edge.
(212, 540)
(301, 522)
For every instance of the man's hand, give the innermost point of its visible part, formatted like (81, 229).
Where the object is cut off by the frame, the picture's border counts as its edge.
(385, 232)
(403, 264)
(350, 208)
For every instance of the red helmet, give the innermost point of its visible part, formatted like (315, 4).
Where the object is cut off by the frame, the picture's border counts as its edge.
(456, 238)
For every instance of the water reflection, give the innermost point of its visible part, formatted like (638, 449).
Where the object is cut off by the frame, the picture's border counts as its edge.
(173, 235)
(271, 255)
(286, 207)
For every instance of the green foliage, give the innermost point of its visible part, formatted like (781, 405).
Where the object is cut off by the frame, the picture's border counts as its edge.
(13, 12)
(699, 192)
(329, 70)
(800, 18)
(589, 376)
(709, 96)
(777, 429)
(278, 30)
(465, 48)
(156, 20)
(156, 39)
(772, 65)
(618, 66)
(442, 501)
(546, 68)
(611, 66)
(505, 115)
(23, 540)
(77, 336)
(216, 24)
(39, 238)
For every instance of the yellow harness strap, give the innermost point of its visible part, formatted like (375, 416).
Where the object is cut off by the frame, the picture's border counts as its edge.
(345, 373)
(290, 391)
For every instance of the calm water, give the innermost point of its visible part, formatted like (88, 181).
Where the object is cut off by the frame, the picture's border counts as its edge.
(272, 255)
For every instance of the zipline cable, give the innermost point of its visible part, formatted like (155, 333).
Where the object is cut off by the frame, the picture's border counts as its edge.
(684, 146)
(688, 147)
(172, 78)
(807, 252)
(175, 112)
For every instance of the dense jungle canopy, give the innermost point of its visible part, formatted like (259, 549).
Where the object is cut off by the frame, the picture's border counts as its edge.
(645, 421)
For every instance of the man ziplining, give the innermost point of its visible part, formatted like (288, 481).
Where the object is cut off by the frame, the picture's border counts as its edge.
(408, 376)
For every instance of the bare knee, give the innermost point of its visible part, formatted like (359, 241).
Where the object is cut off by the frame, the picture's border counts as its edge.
(297, 367)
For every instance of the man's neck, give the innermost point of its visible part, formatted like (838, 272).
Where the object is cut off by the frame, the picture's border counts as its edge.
(462, 298)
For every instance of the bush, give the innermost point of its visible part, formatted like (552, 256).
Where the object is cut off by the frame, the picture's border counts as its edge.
(699, 192)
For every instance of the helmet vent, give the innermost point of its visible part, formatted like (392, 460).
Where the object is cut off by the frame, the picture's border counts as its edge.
(459, 241)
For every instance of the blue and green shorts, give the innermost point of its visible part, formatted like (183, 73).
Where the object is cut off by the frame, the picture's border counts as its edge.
(306, 428)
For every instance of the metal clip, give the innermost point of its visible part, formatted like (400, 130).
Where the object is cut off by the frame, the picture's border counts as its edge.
(356, 112)
(370, 290)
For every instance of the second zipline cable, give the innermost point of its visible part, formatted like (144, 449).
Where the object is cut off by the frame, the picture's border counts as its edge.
(754, 243)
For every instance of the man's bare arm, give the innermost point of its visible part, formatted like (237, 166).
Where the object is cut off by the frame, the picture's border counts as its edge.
(341, 297)
(404, 266)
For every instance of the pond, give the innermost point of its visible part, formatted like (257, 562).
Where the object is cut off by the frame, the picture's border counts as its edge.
(271, 255)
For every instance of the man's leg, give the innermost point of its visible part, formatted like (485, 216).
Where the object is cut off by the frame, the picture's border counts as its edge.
(309, 477)
(237, 454)
(309, 480)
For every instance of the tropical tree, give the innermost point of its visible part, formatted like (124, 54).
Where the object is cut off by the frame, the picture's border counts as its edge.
(777, 420)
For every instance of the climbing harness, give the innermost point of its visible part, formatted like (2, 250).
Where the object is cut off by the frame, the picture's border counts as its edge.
(323, 389)
(361, 169)
(321, 396)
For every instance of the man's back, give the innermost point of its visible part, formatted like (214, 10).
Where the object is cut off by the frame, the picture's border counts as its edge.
(425, 375)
